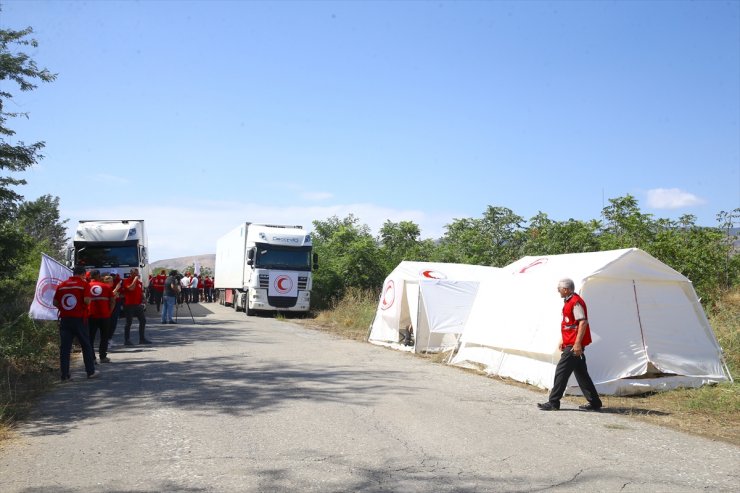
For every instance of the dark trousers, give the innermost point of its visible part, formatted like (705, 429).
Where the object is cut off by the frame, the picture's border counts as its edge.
(114, 318)
(69, 328)
(569, 364)
(102, 324)
(157, 298)
(131, 311)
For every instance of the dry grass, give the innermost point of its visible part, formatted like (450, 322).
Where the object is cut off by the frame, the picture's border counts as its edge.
(710, 411)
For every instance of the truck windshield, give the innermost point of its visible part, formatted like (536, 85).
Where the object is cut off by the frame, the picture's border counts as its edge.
(108, 256)
(274, 257)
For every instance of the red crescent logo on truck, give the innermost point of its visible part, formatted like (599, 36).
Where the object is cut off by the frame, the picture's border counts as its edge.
(389, 295)
(283, 284)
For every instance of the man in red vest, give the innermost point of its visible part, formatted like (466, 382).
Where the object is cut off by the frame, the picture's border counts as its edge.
(133, 306)
(100, 302)
(69, 299)
(158, 288)
(575, 336)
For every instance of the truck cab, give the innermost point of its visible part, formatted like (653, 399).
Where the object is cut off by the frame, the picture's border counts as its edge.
(113, 246)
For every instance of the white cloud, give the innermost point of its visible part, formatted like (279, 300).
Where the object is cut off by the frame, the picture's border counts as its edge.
(671, 198)
(192, 229)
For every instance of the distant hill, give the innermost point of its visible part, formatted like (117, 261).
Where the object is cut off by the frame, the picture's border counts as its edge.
(181, 263)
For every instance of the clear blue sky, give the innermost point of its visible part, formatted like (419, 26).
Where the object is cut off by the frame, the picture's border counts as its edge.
(199, 115)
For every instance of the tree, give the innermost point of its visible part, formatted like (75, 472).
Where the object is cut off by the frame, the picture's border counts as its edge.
(349, 257)
(401, 241)
(16, 246)
(492, 240)
(39, 219)
(16, 67)
(547, 237)
(626, 226)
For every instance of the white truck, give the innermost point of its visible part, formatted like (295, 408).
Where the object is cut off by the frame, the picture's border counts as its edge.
(265, 267)
(113, 246)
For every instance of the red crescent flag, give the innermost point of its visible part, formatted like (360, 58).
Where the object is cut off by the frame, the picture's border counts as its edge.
(51, 275)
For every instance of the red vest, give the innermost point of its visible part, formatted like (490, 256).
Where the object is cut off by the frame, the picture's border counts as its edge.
(158, 283)
(100, 294)
(569, 325)
(134, 296)
(70, 298)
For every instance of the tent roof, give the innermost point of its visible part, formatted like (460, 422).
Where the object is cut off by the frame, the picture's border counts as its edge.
(417, 271)
(628, 263)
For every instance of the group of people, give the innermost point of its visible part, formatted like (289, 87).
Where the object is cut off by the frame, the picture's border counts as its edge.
(91, 303)
(193, 289)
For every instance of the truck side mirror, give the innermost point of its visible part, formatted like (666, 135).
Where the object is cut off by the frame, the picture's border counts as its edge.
(69, 255)
(315, 261)
(250, 256)
(142, 259)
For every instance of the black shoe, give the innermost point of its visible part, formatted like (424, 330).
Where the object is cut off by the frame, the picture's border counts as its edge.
(128, 343)
(589, 407)
(105, 359)
(144, 341)
(171, 322)
(548, 406)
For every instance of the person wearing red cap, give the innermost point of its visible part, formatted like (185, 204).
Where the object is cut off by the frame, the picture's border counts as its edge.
(69, 299)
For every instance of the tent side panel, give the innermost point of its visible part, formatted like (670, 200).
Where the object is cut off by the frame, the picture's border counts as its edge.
(617, 350)
(679, 339)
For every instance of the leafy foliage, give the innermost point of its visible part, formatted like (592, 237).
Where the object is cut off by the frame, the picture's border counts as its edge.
(25, 228)
(352, 258)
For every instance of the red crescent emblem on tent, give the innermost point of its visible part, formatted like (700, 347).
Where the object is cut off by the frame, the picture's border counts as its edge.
(389, 295)
(539, 261)
(283, 284)
(433, 274)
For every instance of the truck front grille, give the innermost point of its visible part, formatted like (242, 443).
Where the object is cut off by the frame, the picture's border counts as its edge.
(265, 281)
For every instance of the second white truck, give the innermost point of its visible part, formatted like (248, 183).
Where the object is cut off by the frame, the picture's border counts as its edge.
(265, 267)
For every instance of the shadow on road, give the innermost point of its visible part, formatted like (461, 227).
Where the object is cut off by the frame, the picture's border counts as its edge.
(237, 383)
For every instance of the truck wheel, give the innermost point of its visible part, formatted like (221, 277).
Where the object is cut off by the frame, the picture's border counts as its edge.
(235, 301)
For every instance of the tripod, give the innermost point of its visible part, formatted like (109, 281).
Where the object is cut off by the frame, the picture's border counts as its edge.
(177, 307)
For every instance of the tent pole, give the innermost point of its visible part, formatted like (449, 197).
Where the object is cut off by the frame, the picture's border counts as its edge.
(639, 321)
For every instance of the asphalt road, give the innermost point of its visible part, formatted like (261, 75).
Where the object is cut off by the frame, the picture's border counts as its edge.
(233, 403)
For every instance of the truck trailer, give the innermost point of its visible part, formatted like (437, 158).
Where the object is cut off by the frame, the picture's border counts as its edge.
(265, 267)
(113, 246)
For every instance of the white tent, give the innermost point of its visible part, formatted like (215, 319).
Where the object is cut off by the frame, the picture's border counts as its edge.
(434, 298)
(649, 330)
